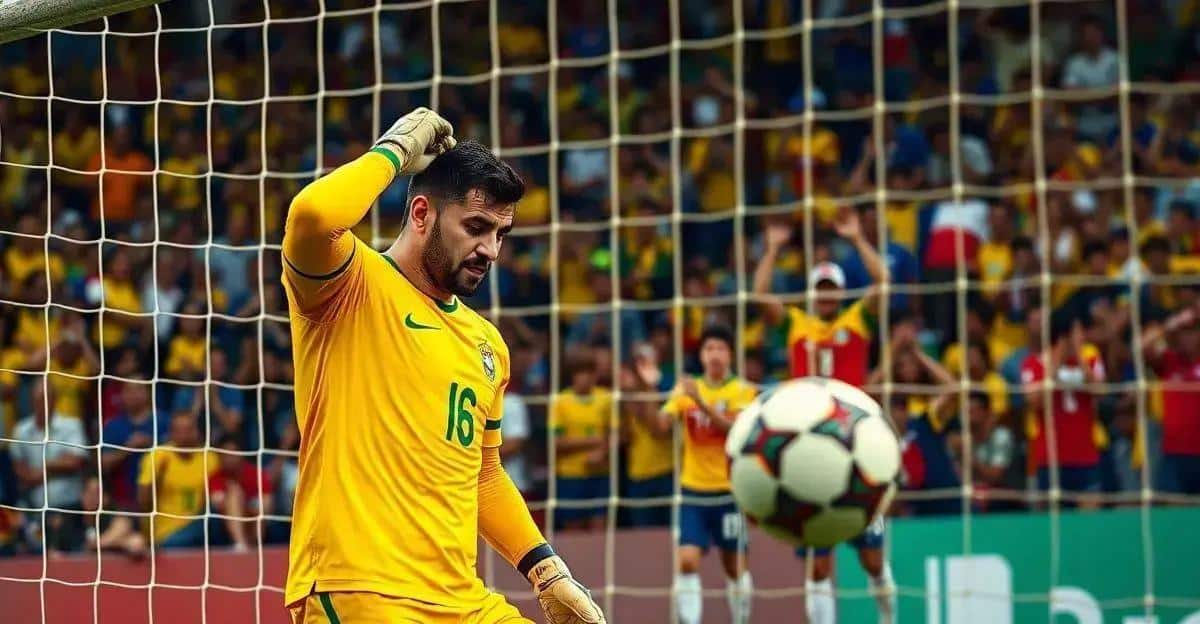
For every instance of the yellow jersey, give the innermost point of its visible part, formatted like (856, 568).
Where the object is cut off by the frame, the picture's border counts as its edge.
(648, 455)
(995, 264)
(119, 296)
(705, 468)
(575, 416)
(186, 354)
(902, 224)
(21, 265)
(32, 332)
(178, 478)
(396, 396)
(71, 384)
(185, 191)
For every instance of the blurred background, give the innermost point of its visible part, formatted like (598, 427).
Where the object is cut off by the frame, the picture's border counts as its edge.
(1031, 195)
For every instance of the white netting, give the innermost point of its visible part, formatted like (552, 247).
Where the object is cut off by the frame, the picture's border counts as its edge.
(146, 163)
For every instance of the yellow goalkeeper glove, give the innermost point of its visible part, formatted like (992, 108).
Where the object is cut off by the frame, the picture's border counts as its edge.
(415, 140)
(563, 599)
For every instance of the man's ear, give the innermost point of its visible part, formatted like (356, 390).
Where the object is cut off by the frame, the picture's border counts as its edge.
(421, 214)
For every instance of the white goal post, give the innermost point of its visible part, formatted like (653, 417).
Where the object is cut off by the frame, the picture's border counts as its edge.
(25, 18)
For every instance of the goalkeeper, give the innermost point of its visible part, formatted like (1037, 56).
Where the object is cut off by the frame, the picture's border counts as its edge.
(399, 389)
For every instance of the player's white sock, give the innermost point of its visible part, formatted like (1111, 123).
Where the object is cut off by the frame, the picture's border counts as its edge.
(819, 600)
(687, 598)
(883, 588)
(740, 595)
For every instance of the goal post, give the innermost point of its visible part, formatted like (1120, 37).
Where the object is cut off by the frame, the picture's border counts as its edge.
(25, 18)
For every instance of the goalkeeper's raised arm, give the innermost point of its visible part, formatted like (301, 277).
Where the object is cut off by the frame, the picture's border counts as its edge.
(314, 244)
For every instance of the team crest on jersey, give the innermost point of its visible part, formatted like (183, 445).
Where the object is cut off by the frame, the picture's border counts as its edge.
(842, 336)
(489, 360)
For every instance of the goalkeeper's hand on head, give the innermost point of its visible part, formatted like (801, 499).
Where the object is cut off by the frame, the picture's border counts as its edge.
(563, 599)
(415, 140)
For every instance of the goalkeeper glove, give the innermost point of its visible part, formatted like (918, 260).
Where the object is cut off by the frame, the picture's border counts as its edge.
(563, 599)
(415, 140)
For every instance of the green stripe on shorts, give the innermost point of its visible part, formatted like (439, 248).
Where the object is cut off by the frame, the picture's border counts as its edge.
(327, 604)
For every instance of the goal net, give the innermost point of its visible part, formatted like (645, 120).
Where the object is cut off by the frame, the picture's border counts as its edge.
(1029, 171)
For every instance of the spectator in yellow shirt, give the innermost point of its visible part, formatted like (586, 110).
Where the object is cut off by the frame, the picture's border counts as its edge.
(649, 454)
(579, 419)
(74, 146)
(73, 361)
(171, 486)
(187, 350)
(25, 260)
(118, 294)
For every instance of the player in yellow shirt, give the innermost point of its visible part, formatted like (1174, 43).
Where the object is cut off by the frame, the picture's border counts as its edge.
(399, 394)
(579, 418)
(707, 405)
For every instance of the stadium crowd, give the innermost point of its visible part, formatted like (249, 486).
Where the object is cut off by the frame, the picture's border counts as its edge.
(166, 323)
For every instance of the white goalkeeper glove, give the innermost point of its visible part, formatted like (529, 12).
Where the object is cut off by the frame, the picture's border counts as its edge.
(415, 140)
(563, 599)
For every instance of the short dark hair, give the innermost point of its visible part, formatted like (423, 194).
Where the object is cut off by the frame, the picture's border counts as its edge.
(1021, 243)
(984, 350)
(980, 397)
(1156, 243)
(1062, 322)
(716, 332)
(978, 305)
(1092, 20)
(469, 165)
(579, 361)
(1093, 247)
(1183, 206)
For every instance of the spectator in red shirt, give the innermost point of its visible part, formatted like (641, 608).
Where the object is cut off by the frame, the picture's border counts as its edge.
(235, 490)
(1173, 350)
(1074, 365)
(835, 342)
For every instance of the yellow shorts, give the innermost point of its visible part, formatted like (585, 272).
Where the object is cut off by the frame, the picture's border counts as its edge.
(372, 608)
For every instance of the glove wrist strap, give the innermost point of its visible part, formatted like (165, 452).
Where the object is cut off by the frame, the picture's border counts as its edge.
(534, 557)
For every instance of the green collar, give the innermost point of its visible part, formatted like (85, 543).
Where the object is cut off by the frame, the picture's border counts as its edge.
(442, 305)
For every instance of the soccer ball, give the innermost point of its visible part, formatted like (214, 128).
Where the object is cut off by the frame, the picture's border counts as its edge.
(813, 461)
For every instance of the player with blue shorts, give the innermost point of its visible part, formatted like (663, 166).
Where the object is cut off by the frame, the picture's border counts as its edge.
(708, 517)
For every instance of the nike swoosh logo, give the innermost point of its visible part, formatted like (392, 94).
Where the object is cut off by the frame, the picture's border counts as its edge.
(411, 324)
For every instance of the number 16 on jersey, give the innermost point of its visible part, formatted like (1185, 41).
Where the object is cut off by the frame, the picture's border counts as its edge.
(460, 423)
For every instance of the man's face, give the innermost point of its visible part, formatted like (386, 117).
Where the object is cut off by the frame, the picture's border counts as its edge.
(715, 357)
(1024, 260)
(1033, 325)
(135, 397)
(184, 432)
(464, 241)
(1159, 261)
(583, 379)
(829, 299)
(978, 413)
(1093, 37)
